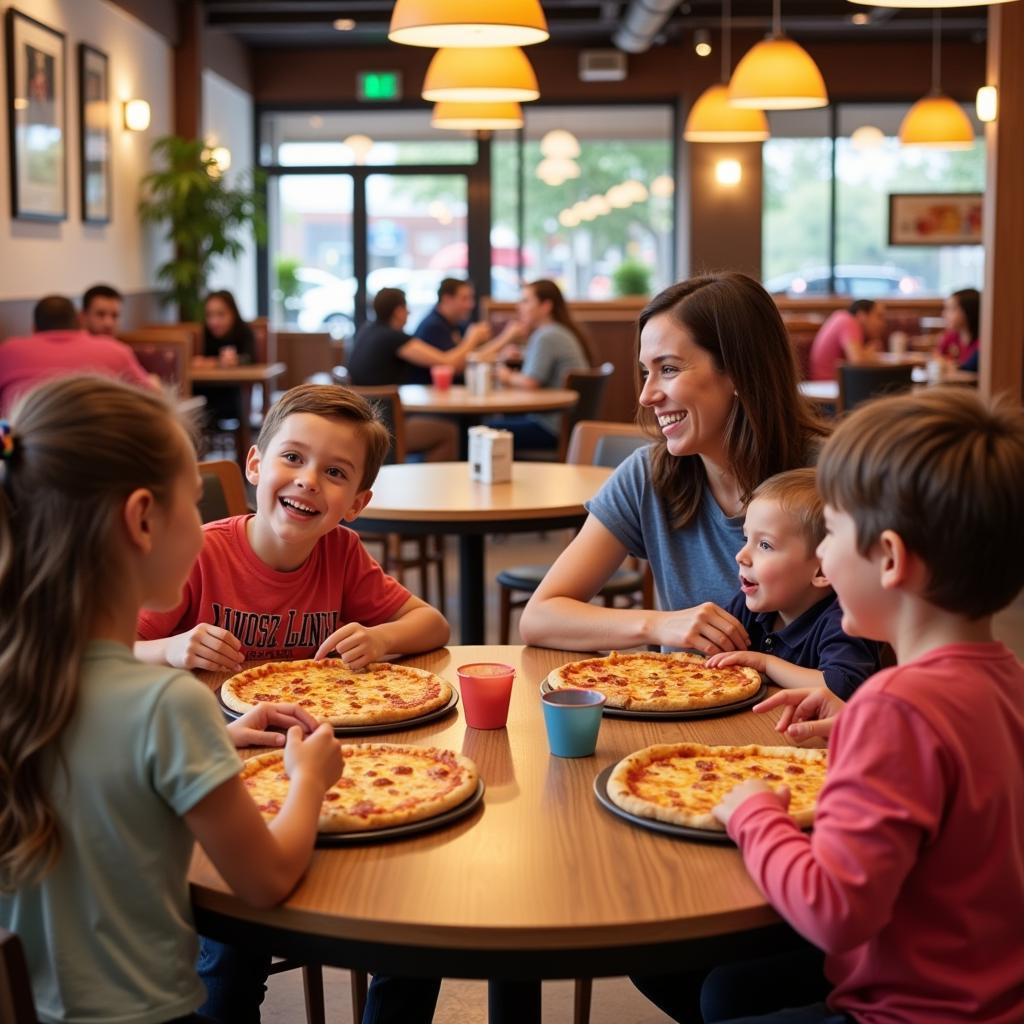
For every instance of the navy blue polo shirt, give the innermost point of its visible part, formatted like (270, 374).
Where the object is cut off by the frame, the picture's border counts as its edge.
(813, 640)
(436, 331)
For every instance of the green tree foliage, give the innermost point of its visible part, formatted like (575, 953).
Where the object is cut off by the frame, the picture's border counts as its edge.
(205, 218)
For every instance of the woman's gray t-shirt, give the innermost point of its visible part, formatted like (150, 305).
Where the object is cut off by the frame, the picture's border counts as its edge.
(691, 565)
(551, 352)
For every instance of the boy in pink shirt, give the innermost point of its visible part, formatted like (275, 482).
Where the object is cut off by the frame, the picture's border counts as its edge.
(912, 882)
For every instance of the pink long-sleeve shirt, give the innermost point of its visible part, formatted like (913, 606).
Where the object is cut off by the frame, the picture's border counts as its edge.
(912, 881)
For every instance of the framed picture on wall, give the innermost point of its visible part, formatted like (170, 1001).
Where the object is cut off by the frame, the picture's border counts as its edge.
(94, 133)
(36, 72)
(947, 218)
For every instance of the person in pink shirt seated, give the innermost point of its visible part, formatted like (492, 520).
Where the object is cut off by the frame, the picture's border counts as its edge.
(912, 882)
(849, 335)
(58, 348)
(960, 342)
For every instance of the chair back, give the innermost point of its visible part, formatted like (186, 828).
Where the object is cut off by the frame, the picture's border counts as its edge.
(603, 443)
(16, 1006)
(166, 354)
(191, 328)
(858, 383)
(389, 411)
(264, 341)
(223, 490)
(590, 385)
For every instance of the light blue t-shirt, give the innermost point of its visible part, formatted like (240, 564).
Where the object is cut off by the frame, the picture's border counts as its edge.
(551, 352)
(691, 565)
(108, 933)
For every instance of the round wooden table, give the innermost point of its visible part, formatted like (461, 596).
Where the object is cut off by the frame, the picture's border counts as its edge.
(439, 497)
(469, 409)
(538, 882)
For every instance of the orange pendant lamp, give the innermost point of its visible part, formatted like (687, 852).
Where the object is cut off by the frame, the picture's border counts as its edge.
(500, 74)
(777, 74)
(936, 120)
(458, 23)
(477, 117)
(713, 118)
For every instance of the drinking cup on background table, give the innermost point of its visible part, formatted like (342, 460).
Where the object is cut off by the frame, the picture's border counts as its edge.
(228, 355)
(441, 377)
(572, 719)
(898, 342)
(486, 691)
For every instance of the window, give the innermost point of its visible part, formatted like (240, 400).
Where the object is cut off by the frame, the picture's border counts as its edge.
(617, 249)
(804, 254)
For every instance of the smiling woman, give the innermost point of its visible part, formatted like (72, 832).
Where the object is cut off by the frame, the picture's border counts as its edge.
(720, 397)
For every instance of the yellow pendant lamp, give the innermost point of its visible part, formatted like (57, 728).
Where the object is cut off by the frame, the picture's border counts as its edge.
(936, 120)
(777, 74)
(477, 117)
(500, 74)
(713, 118)
(440, 23)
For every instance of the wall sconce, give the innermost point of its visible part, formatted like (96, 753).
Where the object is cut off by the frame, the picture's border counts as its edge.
(221, 156)
(136, 115)
(986, 103)
(728, 172)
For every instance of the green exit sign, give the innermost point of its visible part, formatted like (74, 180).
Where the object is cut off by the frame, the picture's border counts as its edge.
(379, 86)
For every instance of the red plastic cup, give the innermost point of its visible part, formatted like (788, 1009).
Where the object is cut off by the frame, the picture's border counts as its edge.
(486, 691)
(441, 376)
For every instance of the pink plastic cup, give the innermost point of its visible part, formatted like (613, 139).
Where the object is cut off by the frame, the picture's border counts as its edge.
(486, 691)
(441, 377)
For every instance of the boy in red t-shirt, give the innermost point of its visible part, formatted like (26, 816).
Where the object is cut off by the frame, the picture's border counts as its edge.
(289, 582)
(911, 882)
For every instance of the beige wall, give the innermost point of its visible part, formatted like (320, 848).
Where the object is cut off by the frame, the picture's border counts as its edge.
(68, 256)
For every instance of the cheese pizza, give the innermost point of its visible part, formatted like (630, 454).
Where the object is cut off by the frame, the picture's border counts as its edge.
(650, 681)
(334, 693)
(681, 782)
(382, 785)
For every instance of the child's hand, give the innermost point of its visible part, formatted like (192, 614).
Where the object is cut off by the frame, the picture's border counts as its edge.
(705, 628)
(318, 755)
(251, 729)
(206, 647)
(724, 810)
(358, 645)
(807, 715)
(748, 659)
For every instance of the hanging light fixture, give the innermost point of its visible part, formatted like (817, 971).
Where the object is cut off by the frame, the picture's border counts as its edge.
(777, 74)
(866, 138)
(663, 186)
(360, 146)
(937, 120)
(555, 170)
(560, 143)
(477, 117)
(713, 118)
(438, 23)
(499, 74)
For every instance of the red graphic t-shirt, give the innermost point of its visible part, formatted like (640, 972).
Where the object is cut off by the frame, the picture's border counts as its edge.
(278, 615)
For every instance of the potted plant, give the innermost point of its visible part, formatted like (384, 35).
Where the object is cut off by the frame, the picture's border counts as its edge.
(631, 277)
(206, 218)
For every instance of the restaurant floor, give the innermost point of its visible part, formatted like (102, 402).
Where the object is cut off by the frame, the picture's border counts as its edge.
(465, 1002)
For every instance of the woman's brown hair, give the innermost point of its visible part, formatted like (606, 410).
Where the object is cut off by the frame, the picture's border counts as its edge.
(772, 427)
(548, 291)
(78, 447)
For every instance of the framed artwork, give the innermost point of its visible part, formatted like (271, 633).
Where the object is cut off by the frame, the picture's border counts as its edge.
(36, 118)
(94, 133)
(951, 218)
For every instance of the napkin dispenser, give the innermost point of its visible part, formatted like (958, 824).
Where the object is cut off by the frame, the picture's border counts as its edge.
(490, 455)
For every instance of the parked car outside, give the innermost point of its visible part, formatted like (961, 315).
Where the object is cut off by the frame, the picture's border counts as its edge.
(859, 282)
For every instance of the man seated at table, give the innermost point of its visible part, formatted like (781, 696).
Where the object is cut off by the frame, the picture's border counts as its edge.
(851, 335)
(383, 355)
(101, 310)
(57, 348)
(447, 324)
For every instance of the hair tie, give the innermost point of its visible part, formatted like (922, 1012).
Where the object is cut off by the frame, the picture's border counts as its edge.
(6, 440)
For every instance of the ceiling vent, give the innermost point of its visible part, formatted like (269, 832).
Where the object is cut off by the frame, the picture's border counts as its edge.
(602, 66)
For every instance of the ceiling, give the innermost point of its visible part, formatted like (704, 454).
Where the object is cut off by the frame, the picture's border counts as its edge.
(267, 23)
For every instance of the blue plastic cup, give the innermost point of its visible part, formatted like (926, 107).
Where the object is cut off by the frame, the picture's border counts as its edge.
(572, 719)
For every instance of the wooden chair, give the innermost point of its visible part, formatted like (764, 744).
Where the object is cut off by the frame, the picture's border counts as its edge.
(590, 385)
(429, 550)
(593, 443)
(859, 383)
(166, 354)
(16, 1005)
(223, 490)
